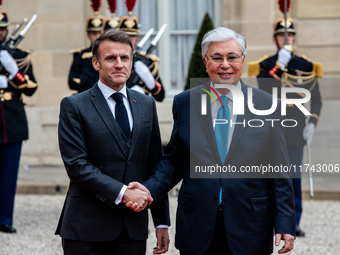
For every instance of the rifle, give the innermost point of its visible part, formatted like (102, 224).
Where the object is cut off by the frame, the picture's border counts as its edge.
(133, 80)
(15, 31)
(12, 42)
(309, 159)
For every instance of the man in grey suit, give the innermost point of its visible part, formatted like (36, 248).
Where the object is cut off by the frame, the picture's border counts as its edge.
(222, 209)
(108, 137)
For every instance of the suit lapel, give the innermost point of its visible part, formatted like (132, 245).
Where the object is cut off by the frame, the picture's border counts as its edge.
(104, 111)
(136, 107)
(239, 128)
(205, 120)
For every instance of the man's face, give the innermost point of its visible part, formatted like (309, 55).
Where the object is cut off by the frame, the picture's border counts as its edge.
(280, 38)
(134, 39)
(223, 62)
(3, 34)
(114, 63)
(93, 35)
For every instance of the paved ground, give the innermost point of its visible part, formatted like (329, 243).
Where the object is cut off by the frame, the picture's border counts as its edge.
(36, 217)
(41, 191)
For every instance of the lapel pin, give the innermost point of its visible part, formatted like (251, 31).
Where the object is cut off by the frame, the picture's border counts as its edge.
(134, 101)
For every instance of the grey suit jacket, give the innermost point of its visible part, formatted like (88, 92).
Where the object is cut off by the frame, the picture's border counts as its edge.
(253, 208)
(99, 159)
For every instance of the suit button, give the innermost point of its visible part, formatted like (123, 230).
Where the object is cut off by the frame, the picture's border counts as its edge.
(215, 198)
(129, 162)
(128, 145)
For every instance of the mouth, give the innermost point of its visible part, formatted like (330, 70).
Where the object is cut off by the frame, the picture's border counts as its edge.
(119, 73)
(225, 75)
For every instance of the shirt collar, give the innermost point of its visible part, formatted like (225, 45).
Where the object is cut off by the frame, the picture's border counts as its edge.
(107, 91)
(229, 95)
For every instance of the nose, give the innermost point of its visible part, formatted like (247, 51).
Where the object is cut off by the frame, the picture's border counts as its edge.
(118, 63)
(225, 63)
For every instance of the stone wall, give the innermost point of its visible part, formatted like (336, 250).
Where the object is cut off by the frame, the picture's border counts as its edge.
(60, 27)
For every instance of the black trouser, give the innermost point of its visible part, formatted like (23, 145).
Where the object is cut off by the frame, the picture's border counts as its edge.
(123, 245)
(219, 244)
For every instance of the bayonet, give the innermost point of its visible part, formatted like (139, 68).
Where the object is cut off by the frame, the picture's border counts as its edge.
(143, 41)
(156, 39)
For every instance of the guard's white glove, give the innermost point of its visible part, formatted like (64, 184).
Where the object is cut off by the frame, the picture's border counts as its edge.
(138, 88)
(144, 73)
(3, 82)
(308, 132)
(283, 58)
(9, 63)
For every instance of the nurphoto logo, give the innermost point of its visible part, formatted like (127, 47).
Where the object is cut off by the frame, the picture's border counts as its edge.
(239, 103)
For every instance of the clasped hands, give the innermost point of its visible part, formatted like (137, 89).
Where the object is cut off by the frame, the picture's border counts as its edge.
(137, 197)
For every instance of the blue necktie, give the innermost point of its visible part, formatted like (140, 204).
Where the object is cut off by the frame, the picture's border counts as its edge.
(121, 113)
(222, 133)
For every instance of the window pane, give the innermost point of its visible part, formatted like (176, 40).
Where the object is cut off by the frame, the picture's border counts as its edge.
(186, 18)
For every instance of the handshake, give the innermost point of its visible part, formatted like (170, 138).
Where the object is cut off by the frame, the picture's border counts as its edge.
(137, 197)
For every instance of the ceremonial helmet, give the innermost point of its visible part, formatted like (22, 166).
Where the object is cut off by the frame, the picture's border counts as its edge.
(128, 23)
(95, 22)
(3, 17)
(280, 24)
(113, 21)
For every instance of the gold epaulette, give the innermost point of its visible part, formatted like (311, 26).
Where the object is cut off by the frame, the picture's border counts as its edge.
(87, 55)
(254, 67)
(77, 50)
(152, 57)
(317, 67)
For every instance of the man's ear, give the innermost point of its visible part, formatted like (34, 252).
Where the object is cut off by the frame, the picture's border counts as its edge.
(205, 63)
(96, 64)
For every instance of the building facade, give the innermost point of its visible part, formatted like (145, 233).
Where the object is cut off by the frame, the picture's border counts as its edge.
(60, 27)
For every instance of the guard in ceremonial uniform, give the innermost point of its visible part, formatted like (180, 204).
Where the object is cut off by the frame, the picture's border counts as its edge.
(111, 22)
(286, 69)
(16, 78)
(145, 66)
(82, 75)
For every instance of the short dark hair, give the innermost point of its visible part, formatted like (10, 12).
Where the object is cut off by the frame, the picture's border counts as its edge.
(112, 35)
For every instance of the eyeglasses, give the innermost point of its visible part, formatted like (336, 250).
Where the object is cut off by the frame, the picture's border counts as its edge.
(232, 58)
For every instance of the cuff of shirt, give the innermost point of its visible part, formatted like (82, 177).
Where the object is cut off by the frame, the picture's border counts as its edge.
(162, 226)
(120, 195)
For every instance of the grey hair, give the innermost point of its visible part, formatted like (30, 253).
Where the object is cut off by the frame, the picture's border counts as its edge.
(220, 34)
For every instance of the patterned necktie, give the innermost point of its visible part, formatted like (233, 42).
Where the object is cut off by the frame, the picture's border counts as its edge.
(121, 113)
(222, 130)
(222, 133)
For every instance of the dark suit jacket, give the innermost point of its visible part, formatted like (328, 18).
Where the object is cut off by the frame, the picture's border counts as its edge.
(99, 159)
(252, 207)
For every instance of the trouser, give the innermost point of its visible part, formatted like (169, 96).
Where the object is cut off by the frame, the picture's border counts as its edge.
(123, 245)
(9, 167)
(295, 156)
(219, 244)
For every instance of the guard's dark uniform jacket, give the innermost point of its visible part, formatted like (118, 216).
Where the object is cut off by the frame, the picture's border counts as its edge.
(82, 74)
(13, 121)
(152, 62)
(301, 73)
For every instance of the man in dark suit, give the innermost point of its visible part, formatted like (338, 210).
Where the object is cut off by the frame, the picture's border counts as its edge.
(108, 137)
(226, 212)
(286, 69)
